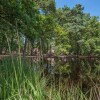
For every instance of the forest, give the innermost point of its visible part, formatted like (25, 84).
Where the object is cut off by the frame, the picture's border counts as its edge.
(48, 53)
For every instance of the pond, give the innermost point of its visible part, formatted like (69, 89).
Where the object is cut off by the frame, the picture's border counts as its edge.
(75, 68)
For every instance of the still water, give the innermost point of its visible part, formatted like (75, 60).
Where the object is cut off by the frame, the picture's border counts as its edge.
(75, 68)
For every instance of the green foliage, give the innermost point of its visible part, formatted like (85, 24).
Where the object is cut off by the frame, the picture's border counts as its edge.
(82, 32)
(38, 24)
(18, 16)
(70, 30)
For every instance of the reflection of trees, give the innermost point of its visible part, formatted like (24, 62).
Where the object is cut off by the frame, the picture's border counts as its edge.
(78, 70)
(84, 70)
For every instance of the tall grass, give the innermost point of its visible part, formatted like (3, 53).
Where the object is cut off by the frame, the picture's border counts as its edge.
(20, 82)
(24, 82)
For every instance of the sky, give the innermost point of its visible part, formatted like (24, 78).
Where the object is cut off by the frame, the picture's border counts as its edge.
(90, 6)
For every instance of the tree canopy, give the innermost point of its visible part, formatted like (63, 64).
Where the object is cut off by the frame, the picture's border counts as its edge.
(40, 24)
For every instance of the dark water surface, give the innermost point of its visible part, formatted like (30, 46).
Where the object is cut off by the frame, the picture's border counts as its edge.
(75, 68)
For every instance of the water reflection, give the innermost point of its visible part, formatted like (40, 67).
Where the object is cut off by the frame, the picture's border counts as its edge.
(75, 68)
